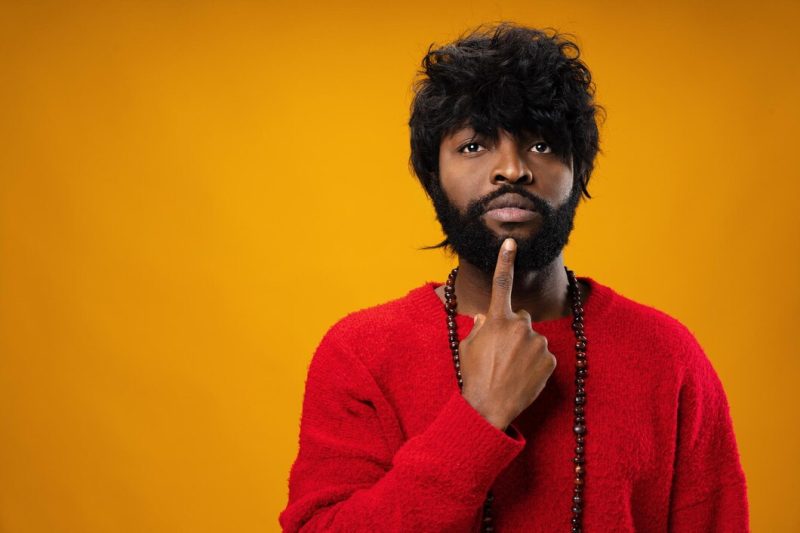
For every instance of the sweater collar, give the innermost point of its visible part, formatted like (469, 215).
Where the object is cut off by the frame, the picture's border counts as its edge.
(424, 300)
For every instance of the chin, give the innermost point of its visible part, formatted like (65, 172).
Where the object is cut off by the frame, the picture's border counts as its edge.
(517, 233)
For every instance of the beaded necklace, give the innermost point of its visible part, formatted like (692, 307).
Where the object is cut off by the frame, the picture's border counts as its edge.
(581, 371)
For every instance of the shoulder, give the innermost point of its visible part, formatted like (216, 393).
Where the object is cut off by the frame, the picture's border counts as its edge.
(362, 324)
(662, 332)
(369, 330)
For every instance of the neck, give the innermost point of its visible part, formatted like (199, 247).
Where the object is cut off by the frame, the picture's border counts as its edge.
(543, 293)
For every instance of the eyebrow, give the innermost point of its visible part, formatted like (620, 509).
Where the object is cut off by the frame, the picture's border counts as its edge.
(460, 136)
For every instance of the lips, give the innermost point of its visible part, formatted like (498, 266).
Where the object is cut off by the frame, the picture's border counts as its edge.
(511, 208)
(511, 200)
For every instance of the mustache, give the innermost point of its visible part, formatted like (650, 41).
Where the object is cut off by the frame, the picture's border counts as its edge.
(477, 208)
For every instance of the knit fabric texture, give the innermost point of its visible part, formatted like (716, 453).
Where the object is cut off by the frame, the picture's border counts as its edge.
(387, 442)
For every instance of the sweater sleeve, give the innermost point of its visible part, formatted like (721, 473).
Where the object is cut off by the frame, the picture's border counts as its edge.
(708, 490)
(349, 477)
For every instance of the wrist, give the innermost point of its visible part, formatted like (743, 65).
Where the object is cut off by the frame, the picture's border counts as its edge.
(491, 413)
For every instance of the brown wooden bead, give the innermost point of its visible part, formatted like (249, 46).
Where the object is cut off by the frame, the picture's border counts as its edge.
(579, 427)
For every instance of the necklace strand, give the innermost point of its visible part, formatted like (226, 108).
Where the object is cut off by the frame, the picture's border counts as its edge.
(581, 372)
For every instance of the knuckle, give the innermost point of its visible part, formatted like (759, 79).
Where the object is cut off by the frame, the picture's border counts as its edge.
(540, 341)
(522, 325)
(502, 281)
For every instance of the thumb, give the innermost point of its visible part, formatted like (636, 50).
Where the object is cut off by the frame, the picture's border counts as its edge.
(478, 322)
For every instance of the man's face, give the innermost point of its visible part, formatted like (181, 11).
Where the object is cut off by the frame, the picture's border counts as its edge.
(477, 174)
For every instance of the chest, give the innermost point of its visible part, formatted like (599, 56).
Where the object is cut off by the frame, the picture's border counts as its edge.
(631, 415)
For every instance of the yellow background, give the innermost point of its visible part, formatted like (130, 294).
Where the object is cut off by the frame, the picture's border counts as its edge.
(192, 193)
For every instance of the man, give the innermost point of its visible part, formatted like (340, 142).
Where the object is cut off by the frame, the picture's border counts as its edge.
(515, 397)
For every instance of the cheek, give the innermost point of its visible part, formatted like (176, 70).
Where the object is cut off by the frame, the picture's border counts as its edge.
(557, 180)
(567, 181)
(456, 184)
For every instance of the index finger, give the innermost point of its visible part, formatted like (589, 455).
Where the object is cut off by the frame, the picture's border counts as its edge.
(500, 302)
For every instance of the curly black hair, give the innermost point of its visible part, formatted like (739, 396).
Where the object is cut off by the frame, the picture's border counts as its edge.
(511, 77)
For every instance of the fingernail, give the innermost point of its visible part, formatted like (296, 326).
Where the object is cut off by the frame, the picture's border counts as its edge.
(509, 243)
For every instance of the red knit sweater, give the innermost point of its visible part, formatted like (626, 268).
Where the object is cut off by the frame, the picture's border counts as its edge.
(387, 442)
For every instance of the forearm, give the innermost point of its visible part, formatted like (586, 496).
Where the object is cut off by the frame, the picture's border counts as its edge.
(437, 480)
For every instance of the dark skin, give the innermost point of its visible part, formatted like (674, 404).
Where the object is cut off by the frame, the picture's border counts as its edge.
(505, 363)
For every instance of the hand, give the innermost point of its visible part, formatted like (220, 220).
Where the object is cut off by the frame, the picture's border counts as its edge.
(505, 364)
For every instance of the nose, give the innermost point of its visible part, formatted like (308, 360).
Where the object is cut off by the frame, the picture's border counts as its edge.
(510, 166)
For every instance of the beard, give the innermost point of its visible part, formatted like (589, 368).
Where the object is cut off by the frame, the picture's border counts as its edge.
(472, 240)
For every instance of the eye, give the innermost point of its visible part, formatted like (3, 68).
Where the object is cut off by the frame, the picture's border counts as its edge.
(470, 148)
(541, 147)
